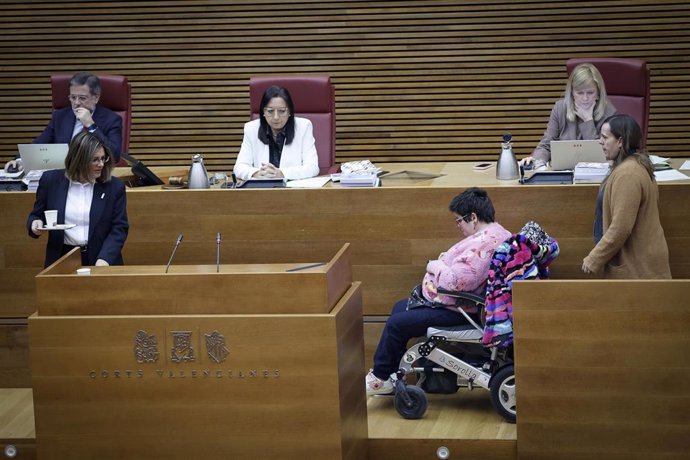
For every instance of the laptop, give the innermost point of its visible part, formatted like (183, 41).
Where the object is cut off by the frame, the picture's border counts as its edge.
(566, 154)
(42, 156)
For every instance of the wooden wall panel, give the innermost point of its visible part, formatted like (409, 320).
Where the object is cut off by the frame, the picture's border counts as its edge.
(598, 366)
(93, 399)
(15, 371)
(434, 80)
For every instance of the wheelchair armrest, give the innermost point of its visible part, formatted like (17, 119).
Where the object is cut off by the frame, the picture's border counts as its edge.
(463, 295)
(478, 300)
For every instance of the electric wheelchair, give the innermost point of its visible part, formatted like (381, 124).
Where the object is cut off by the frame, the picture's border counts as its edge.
(454, 357)
(457, 357)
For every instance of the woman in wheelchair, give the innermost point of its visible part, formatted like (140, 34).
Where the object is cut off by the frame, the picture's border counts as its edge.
(463, 267)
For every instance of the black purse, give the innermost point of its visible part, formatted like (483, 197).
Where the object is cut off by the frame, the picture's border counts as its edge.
(417, 299)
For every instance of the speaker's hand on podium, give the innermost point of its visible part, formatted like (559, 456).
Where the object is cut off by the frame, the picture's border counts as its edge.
(101, 263)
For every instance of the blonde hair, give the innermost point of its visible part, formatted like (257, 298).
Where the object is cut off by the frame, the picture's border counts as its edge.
(82, 148)
(583, 76)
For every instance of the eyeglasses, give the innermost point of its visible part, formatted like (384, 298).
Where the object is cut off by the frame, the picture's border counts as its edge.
(102, 160)
(272, 112)
(78, 97)
(461, 218)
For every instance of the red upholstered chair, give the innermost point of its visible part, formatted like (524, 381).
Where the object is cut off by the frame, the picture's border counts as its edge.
(314, 98)
(116, 94)
(627, 84)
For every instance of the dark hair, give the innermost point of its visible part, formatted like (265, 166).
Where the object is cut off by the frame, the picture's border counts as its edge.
(625, 128)
(474, 200)
(85, 78)
(265, 130)
(78, 161)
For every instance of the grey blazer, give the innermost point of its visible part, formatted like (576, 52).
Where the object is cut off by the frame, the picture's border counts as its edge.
(560, 129)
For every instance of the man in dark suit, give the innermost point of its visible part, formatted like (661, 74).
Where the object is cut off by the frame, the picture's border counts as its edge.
(83, 114)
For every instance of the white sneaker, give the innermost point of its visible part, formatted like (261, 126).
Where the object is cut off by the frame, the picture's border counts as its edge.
(376, 386)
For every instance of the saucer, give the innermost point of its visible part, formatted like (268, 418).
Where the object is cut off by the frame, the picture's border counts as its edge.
(58, 227)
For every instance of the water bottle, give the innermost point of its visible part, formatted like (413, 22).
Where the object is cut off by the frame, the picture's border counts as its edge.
(507, 166)
(198, 177)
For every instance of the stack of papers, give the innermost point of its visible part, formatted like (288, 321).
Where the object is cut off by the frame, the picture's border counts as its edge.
(359, 167)
(312, 182)
(664, 172)
(4, 175)
(359, 174)
(11, 182)
(590, 173)
(359, 180)
(31, 179)
(659, 163)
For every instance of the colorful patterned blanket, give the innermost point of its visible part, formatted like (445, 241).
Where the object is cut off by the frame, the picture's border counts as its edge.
(525, 255)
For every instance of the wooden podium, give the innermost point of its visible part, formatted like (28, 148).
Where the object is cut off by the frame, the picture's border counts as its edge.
(250, 361)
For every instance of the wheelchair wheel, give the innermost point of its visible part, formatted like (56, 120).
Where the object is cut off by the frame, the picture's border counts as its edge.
(416, 406)
(502, 388)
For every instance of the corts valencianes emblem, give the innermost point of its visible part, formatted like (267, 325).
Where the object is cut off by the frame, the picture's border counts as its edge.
(145, 348)
(182, 349)
(215, 347)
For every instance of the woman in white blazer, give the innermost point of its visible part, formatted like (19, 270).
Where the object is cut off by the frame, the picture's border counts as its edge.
(277, 144)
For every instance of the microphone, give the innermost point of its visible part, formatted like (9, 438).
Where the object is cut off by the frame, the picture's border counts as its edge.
(218, 238)
(128, 158)
(177, 243)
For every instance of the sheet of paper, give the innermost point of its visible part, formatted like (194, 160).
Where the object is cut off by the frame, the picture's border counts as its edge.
(405, 174)
(655, 159)
(312, 182)
(6, 175)
(669, 175)
(685, 165)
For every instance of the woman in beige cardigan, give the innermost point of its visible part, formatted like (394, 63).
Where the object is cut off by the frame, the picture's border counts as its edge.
(630, 242)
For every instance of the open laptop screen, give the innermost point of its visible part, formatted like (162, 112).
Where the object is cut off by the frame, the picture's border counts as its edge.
(566, 154)
(42, 156)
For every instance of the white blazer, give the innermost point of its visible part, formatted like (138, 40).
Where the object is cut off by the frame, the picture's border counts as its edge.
(298, 160)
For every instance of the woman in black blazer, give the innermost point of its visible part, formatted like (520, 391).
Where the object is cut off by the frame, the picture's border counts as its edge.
(86, 195)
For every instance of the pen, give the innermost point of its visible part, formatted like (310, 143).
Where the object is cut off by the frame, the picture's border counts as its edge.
(102, 195)
(296, 269)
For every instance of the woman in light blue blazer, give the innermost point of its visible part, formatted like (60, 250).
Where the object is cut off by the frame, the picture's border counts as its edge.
(278, 144)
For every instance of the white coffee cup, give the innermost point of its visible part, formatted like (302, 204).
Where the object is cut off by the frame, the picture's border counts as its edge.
(83, 271)
(51, 218)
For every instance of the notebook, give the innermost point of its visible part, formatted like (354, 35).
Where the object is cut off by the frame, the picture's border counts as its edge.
(42, 156)
(566, 154)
